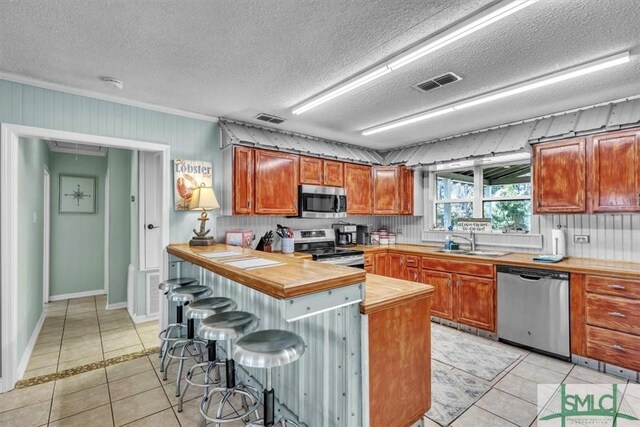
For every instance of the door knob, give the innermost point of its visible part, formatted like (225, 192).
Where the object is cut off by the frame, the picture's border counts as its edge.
(151, 226)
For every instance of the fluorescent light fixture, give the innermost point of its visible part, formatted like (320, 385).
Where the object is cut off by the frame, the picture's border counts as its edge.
(561, 76)
(430, 45)
(507, 158)
(454, 165)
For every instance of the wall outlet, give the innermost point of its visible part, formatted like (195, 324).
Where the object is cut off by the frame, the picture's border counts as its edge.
(582, 239)
(399, 231)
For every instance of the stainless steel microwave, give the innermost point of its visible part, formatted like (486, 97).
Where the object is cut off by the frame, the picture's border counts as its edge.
(316, 201)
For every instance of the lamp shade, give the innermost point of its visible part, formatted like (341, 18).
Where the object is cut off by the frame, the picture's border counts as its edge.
(203, 198)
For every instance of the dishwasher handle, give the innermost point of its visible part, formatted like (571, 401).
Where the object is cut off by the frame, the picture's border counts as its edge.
(529, 278)
(532, 273)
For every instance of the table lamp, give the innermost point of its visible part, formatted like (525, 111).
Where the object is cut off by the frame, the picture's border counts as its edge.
(202, 198)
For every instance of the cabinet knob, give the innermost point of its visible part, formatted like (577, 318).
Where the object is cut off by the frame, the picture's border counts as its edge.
(449, 282)
(458, 283)
(618, 287)
(616, 314)
(248, 203)
(617, 347)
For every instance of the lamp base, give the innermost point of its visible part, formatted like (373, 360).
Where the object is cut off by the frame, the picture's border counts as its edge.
(202, 241)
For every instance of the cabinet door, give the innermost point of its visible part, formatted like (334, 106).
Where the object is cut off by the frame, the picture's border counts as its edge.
(406, 191)
(243, 181)
(276, 183)
(310, 171)
(475, 301)
(358, 187)
(333, 173)
(413, 274)
(381, 264)
(386, 190)
(397, 268)
(442, 301)
(615, 184)
(559, 177)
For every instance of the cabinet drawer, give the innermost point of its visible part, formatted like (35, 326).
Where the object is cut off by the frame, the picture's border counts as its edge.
(454, 266)
(618, 314)
(412, 261)
(613, 347)
(612, 286)
(368, 260)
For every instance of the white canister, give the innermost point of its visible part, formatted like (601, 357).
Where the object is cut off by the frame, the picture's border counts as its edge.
(384, 239)
(375, 238)
(287, 245)
(392, 238)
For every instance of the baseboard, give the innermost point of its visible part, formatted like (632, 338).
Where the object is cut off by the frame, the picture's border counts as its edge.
(76, 295)
(24, 361)
(116, 305)
(142, 319)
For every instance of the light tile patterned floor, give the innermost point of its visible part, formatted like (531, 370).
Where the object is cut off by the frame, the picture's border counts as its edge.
(133, 393)
(81, 331)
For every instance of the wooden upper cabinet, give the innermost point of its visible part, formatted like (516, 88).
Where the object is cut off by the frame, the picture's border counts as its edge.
(276, 183)
(386, 190)
(310, 170)
(358, 187)
(406, 191)
(333, 173)
(615, 173)
(559, 177)
(476, 301)
(243, 174)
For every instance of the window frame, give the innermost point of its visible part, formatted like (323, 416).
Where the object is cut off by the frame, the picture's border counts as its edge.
(478, 191)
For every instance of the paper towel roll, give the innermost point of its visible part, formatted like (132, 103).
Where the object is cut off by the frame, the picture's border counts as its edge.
(558, 242)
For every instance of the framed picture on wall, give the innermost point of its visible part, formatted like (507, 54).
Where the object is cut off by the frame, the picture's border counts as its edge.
(77, 194)
(187, 175)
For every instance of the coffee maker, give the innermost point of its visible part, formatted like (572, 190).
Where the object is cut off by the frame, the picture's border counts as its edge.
(363, 234)
(345, 234)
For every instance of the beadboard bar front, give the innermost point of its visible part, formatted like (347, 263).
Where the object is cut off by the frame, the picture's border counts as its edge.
(324, 387)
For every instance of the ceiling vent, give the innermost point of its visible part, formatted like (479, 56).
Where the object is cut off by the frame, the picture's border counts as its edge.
(436, 82)
(269, 118)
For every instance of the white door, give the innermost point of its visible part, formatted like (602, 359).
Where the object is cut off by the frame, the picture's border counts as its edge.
(45, 225)
(150, 210)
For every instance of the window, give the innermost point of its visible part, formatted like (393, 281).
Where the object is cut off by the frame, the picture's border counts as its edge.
(504, 196)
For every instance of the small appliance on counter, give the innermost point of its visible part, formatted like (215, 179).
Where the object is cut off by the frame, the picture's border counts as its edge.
(346, 234)
(363, 234)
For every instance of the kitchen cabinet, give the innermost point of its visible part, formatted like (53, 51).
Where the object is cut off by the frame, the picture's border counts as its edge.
(615, 172)
(381, 264)
(276, 183)
(465, 292)
(386, 190)
(442, 300)
(333, 173)
(397, 267)
(368, 263)
(406, 190)
(475, 301)
(310, 170)
(358, 186)
(242, 188)
(559, 177)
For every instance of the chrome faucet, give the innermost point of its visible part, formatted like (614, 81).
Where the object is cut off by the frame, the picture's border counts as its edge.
(471, 239)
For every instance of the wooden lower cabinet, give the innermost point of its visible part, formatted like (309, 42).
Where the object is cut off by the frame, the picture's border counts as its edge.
(613, 347)
(413, 274)
(476, 301)
(397, 268)
(399, 386)
(442, 300)
(381, 264)
(368, 263)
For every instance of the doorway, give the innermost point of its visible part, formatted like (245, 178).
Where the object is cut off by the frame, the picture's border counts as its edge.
(9, 201)
(46, 220)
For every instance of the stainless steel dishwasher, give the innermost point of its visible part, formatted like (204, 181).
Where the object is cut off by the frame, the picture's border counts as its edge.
(533, 309)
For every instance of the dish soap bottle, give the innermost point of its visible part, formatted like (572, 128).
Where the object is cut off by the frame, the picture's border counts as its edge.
(447, 244)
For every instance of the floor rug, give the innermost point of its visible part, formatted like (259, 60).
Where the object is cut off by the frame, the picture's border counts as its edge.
(452, 393)
(469, 355)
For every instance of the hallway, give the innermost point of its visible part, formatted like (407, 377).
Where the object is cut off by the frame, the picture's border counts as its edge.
(81, 331)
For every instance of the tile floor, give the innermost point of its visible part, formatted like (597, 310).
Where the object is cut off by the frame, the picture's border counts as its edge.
(133, 393)
(81, 331)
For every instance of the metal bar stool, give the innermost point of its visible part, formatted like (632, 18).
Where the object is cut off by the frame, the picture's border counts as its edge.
(199, 310)
(183, 296)
(229, 326)
(269, 349)
(165, 335)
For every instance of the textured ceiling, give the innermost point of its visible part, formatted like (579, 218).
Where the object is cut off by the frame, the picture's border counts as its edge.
(239, 58)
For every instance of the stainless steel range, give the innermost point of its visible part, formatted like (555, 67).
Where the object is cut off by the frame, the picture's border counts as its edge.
(321, 245)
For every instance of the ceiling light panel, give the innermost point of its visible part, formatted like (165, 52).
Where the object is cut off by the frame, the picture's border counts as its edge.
(561, 76)
(430, 45)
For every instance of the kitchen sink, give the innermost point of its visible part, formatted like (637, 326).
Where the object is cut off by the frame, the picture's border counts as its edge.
(494, 254)
(487, 253)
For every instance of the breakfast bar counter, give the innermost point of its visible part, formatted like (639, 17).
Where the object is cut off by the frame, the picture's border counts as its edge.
(366, 336)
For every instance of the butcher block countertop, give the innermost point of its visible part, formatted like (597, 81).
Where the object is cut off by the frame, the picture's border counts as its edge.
(570, 264)
(294, 277)
(382, 292)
